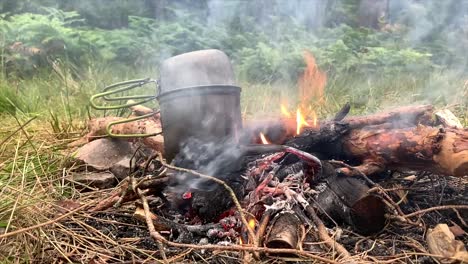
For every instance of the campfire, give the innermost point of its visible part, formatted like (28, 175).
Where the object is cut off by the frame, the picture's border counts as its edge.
(282, 187)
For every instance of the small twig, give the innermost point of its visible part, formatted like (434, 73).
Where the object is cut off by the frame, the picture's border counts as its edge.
(463, 222)
(310, 159)
(222, 183)
(150, 224)
(360, 173)
(132, 160)
(406, 255)
(435, 208)
(111, 200)
(123, 195)
(262, 226)
(148, 162)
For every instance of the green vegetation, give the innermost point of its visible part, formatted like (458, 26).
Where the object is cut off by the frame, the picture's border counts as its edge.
(54, 54)
(49, 53)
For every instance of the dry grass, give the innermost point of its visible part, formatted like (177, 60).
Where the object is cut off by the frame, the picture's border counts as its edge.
(30, 180)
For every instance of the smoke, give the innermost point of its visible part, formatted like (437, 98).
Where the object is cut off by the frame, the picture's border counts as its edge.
(218, 158)
(310, 14)
(222, 159)
(442, 25)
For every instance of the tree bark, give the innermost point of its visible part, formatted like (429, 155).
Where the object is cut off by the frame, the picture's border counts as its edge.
(443, 151)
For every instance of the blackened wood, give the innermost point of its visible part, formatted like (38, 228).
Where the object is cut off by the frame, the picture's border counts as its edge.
(347, 199)
(344, 111)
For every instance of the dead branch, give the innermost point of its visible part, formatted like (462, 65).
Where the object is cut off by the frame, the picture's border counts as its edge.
(150, 225)
(436, 208)
(126, 194)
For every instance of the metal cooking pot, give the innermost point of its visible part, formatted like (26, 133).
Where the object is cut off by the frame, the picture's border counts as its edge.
(198, 98)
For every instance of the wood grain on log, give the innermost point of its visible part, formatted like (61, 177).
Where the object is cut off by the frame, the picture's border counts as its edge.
(443, 151)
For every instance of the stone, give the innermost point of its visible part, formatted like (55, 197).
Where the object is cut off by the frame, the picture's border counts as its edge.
(121, 169)
(102, 154)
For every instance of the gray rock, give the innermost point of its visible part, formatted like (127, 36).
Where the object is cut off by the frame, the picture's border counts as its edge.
(121, 169)
(103, 154)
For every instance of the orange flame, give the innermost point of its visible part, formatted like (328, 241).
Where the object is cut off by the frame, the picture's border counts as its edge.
(300, 121)
(252, 223)
(312, 82)
(314, 118)
(285, 111)
(263, 139)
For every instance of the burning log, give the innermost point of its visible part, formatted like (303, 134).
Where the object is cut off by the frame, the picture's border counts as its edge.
(280, 130)
(402, 138)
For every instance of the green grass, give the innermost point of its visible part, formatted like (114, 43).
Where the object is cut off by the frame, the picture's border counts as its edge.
(63, 94)
(366, 94)
(32, 159)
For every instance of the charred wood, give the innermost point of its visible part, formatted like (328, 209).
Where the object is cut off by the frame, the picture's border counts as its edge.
(347, 199)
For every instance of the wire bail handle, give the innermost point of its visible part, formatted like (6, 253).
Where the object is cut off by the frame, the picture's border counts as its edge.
(127, 86)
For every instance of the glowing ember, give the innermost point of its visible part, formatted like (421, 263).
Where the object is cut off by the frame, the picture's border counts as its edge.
(285, 111)
(263, 139)
(312, 82)
(300, 121)
(187, 195)
(252, 223)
